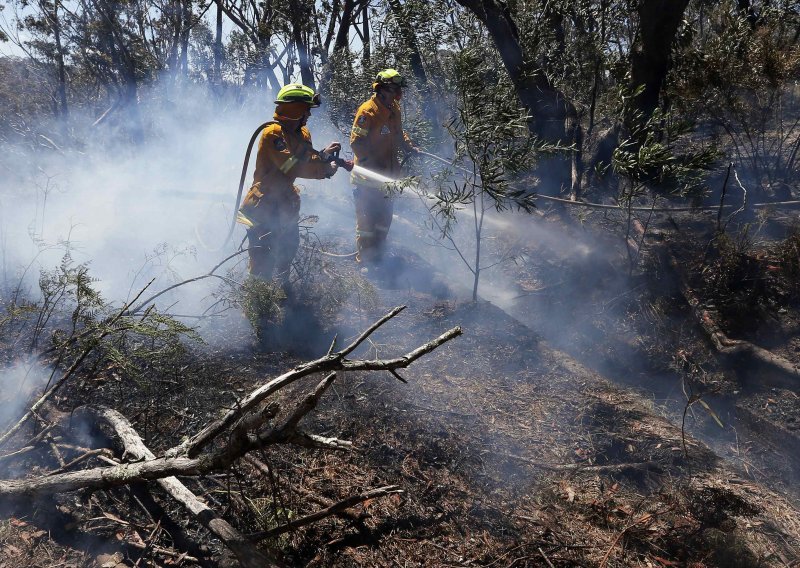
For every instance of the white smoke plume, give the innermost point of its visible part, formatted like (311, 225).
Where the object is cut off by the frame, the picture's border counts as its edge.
(18, 381)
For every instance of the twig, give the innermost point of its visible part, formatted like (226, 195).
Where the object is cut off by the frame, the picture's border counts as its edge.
(31, 444)
(722, 195)
(149, 542)
(164, 551)
(209, 274)
(397, 376)
(546, 559)
(329, 511)
(79, 459)
(56, 453)
(369, 331)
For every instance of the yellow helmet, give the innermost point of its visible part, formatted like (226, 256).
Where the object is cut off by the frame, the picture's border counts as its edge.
(298, 93)
(390, 77)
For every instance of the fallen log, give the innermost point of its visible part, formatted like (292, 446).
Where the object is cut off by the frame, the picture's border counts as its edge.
(719, 339)
(247, 554)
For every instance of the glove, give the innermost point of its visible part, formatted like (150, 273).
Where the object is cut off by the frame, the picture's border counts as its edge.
(333, 167)
(347, 164)
(329, 151)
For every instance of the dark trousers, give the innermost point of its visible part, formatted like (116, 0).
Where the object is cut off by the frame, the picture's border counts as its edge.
(374, 210)
(272, 249)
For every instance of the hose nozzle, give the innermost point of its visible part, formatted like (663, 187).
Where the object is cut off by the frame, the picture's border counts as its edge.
(342, 163)
(334, 157)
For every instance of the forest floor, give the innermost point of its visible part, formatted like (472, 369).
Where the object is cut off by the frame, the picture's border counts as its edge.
(550, 438)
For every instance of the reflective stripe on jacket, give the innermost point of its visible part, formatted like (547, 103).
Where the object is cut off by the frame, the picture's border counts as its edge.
(285, 153)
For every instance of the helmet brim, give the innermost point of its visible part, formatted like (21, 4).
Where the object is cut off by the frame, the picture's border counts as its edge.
(316, 102)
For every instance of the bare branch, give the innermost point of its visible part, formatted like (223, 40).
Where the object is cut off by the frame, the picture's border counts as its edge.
(209, 274)
(329, 511)
(334, 362)
(247, 553)
(352, 347)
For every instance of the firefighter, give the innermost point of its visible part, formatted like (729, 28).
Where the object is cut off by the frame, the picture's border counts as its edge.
(271, 208)
(377, 140)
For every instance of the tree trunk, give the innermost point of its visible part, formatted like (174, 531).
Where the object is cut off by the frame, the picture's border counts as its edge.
(298, 16)
(326, 45)
(546, 105)
(367, 52)
(218, 48)
(186, 29)
(410, 41)
(62, 75)
(343, 35)
(659, 21)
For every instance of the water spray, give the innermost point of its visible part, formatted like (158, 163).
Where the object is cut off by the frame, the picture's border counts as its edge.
(374, 176)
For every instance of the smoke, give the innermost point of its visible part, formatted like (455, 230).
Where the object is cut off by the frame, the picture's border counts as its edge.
(133, 213)
(18, 381)
(161, 209)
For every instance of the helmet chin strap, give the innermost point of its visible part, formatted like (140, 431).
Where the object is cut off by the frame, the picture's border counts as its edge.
(300, 121)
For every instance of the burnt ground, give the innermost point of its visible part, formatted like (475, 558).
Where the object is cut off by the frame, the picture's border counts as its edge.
(638, 330)
(510, 451)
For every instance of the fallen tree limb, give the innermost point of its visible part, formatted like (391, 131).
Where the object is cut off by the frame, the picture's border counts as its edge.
(332, 362)
(151, 468)
(183, 460)
(721, 342)
(247, 554)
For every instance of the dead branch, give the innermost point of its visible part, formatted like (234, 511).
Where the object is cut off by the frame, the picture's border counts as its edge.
(721, 342)
(329, 511)
(57, 453)
(332, 362)
(31, 444)
(179, 556)
(546, 559)
(209, 274)
(82, 457)
(317, 442)
(584, 467)
(184, 459)
(47, 394)
(248, 555)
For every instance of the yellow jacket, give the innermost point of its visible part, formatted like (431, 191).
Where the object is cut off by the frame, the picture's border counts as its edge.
(377, 139)
(285, 153)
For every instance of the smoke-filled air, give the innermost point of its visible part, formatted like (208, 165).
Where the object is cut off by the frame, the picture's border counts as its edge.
(399, 283)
